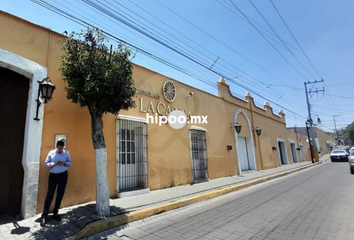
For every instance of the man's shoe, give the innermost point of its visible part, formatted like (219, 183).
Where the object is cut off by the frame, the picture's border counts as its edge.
(57, 217)
(43, 221)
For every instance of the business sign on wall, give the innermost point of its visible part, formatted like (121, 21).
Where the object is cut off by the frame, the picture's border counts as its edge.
(169, 91)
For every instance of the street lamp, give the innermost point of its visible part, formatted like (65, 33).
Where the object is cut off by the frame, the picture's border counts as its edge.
(318, 120)
(237, 127)
(45, 91)
(259, 132)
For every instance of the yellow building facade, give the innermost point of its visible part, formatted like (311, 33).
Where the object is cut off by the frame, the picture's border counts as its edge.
(142, 156)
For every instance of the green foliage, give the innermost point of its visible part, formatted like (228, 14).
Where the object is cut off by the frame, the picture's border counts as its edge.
(351, 133)
(96, 78)
(347, 133)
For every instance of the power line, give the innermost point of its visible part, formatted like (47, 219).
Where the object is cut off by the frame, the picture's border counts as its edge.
(164, 23)
(188, 38)
(63, 13)
(152, 24)
(84, 24)
(217, 40)
(268, 41)
(216, 87)
(295, 38)
(222, 66)
(340, 96)
(267, 31)
(147, 34)
(141, 30)
(285, 45)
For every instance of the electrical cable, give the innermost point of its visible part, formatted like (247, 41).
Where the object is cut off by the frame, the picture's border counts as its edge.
(295, 39)
(276, 34)
(269, 41)
(149, 54)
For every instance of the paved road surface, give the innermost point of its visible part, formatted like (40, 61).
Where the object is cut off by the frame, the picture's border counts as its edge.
(317, 203)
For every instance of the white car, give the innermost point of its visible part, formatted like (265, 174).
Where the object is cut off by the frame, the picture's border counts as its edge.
(351, 162)
(339, 156)
(351, 150)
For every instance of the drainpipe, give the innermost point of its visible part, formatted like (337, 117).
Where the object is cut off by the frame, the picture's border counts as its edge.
(252, 130)
(297, 140)
(253, 133)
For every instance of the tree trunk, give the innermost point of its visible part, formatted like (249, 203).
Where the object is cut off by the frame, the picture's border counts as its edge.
(102, 192)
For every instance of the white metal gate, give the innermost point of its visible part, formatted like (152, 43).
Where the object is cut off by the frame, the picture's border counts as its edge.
(282, 152)
(243, 155)
(293, 152)
(302, 153)
(199, 156)
(132, 155)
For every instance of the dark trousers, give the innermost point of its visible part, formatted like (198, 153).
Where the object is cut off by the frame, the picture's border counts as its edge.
(60, 180)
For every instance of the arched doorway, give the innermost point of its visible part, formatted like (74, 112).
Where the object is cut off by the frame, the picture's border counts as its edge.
(244, 143)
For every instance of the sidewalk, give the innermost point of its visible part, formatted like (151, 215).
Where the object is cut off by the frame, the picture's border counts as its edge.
(80, 221)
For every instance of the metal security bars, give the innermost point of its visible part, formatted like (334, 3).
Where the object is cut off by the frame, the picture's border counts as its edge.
(131, 150)
(199, 155)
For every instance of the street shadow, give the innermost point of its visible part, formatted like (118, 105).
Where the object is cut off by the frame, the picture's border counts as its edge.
(71, 223)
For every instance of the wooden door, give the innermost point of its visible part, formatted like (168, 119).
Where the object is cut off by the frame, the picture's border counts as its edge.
(13, 106)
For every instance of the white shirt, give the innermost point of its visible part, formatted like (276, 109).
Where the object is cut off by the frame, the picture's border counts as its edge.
(53, 157)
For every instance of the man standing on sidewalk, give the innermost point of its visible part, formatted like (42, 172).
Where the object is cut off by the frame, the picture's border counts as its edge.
(58, 160)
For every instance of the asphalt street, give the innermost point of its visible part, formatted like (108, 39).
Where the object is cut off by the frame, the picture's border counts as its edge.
(317, 203)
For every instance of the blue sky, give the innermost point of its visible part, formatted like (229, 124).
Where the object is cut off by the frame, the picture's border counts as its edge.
(216, 30)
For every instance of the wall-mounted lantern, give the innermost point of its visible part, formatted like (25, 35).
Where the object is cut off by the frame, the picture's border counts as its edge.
(274, 148)
(229, 147)
(45, 91)
(237, 127)
(258, 131)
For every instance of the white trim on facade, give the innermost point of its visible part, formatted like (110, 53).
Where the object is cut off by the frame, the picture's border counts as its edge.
(285, 152)
(250, 139)
(131, 118)
(33, 129)
(303, 157)
(198, 128)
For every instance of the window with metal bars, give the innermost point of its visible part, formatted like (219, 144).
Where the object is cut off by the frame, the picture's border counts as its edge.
(132, 167)
(199, 155)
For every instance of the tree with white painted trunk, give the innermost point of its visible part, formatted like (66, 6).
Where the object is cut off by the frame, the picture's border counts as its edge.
(101, 80)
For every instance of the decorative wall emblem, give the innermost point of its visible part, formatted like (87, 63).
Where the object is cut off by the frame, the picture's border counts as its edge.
(169, 91)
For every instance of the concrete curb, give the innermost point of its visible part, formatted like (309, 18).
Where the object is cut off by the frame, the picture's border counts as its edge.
(116, 221)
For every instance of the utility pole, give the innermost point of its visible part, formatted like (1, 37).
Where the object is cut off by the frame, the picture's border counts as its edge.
(335, 127)
(309, 121)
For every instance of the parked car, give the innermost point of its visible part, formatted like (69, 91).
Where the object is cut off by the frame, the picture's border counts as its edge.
(351, 162)
(339, 156)
(347, 150)
(351, 149)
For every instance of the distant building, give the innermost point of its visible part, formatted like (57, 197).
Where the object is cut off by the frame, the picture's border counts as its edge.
(322, 141)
